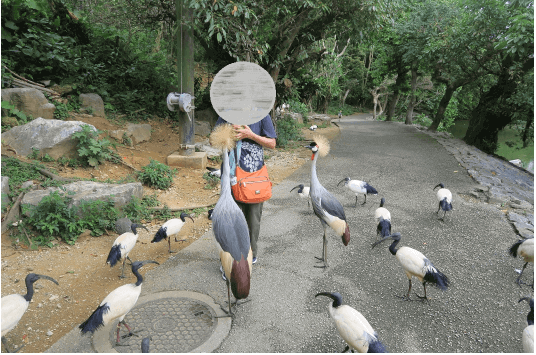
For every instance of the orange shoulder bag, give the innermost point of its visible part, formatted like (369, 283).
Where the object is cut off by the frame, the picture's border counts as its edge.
(252, 187)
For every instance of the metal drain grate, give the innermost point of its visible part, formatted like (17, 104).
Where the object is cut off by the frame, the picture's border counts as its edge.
(175, 325)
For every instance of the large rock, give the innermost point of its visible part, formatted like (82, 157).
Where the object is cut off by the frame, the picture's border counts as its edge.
(208, 115)
(30, 101)
(5, 191)
(139, 132)
(202, 128)
(49, 136)
(90, 191)
(94, 102)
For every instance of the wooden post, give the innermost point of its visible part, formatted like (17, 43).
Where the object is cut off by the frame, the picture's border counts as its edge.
(185, 65)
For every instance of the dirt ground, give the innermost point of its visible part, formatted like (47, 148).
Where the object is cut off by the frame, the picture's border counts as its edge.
(84, 278)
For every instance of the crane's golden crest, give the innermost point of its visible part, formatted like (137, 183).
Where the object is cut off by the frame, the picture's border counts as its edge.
(322, 143)
(223, 137)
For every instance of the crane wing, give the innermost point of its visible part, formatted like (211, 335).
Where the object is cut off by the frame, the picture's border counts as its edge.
(326, 204)
(231, 228)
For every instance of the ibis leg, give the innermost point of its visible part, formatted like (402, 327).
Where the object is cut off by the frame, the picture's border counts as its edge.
(406, 297)
(439, 208)
(355, 201)
(123, 269)
(363, 202)
(423, 298)
(169, 246)
(518, 281)
(346, 349)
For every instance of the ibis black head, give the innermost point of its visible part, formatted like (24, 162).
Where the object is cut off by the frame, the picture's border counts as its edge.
(31, 278)
(184, 216)
(138, 264)
(335, 296)
(439, 185)
(210, 213)
(382, 202)
(300, 186)
(145, 345)
(394, 236)
(135, 225)
(346, 180)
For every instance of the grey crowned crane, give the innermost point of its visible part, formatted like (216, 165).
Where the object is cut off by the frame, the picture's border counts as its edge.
(171, 227)
(352, 326)
(14, 306)
(416, 264)
(528, 332)
(444, 197)
(359, 187)
(525, 249)
(117, 304)
(303, 192)
(122, 246)
(325, 205)
(383, 218)
(230, 226)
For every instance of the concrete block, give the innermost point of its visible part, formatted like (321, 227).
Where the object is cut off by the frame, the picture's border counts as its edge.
(197, 160)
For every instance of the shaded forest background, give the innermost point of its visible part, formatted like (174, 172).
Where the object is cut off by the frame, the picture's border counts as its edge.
(429, 62)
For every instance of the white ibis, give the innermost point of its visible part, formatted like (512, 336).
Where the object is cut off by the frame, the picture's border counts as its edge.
(214, 172)
(117, 304)
(444, 197)
(14, 306)
(416, 264)
(528, 332)
(353, 327)
(303, 192)
(359, 187)
(122, 246)
(525, 249)
(383, 218)
(171, 227)
(325, 205)
(313, 127)
(230, 225)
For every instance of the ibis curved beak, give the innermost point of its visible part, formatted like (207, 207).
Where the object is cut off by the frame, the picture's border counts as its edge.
(327, 294)
(341, 181)
(294, 188)
(48, 278)
(438, 185)
(149, 262)
(391, 237)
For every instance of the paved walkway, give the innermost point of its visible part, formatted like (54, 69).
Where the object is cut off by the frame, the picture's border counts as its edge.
(479, 312)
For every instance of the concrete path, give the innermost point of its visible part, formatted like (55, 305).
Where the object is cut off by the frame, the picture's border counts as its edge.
(478, 313)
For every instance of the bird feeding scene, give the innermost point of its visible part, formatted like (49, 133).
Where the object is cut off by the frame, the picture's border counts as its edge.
(155, 174)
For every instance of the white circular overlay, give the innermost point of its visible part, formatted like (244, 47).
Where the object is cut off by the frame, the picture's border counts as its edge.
(242, 93)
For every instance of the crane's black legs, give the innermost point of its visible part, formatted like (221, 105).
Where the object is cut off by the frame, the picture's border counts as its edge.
(4, 341)
(324, 252)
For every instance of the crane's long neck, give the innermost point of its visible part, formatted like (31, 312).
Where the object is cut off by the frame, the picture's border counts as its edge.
(393, 249)
(29, 291)
(225, 174)
(314, 177)
(138, 276)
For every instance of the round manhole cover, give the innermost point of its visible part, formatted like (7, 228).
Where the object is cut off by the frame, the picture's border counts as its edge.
(175, 325)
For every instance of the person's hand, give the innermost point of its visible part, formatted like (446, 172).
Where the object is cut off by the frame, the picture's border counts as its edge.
(243, 132)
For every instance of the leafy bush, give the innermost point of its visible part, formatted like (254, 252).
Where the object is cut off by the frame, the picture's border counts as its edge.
(53, 217)
(14, 112)
(158, 175)
(90, 147)
(137, 209)
(299, 107)
(422, 119)
(287, 130)
(19, 173)
(98, 216)
(212, 181)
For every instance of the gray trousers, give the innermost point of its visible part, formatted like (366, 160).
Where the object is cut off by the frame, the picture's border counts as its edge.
(253, 213)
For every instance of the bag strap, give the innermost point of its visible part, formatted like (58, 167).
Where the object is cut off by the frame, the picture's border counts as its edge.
(234, 158)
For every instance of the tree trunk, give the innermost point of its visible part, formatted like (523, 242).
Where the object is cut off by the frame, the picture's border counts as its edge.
(491, 115)
(525, 135)
(344, 97)
(411, 104)
(393, 99)
(440, 114)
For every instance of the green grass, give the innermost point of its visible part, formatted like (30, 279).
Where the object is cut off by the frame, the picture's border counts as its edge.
(510, 144)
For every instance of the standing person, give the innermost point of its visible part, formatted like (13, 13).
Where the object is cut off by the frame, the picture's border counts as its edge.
(340, 115)
(254, 137)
